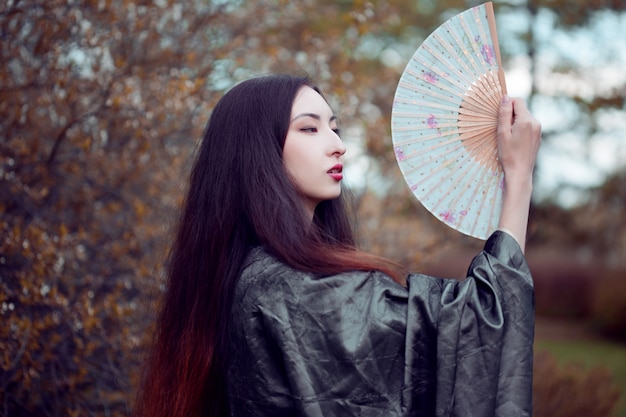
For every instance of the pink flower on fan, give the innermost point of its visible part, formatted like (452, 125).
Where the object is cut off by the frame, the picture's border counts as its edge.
(432, 122)
(400, 156)
(431, 77)
(448, 216)
(488, 53)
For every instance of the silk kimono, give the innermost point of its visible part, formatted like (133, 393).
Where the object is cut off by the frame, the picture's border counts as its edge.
(360, 344)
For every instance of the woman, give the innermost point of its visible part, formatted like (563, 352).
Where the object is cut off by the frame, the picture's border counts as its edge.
(270, 310)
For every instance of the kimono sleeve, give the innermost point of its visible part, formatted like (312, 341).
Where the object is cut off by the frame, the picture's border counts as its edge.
(485, 336)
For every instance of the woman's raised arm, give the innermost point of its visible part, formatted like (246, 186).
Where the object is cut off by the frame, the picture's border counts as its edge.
(519, 136)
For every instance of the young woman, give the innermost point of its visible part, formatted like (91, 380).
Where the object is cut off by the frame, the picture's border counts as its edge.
(270, 310)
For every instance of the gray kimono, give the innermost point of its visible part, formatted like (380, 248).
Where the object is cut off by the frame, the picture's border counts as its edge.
(359, 344)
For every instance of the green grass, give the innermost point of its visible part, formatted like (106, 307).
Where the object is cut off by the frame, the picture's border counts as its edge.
(592, 354)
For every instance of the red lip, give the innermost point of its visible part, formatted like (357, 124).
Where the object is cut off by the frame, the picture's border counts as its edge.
(336, 172)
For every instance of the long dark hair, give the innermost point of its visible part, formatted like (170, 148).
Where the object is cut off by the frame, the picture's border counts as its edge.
(239, 196)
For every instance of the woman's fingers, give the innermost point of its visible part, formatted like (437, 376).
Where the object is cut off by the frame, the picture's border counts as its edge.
(505, 118)
(519, 136)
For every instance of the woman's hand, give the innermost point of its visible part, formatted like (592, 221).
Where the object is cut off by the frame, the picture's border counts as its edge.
(519, 136)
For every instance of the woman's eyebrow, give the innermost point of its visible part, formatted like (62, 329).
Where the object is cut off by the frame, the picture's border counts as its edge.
(314, 116)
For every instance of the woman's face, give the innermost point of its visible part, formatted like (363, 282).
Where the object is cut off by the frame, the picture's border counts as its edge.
(313, 150)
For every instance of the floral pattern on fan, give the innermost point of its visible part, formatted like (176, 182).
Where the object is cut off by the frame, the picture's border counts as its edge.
(444, 122)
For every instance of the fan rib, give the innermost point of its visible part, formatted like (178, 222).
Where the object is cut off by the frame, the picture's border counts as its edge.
(436, 136)
(441, 75)
(446, 64)
(454, 92)
(494, 44)
(478, 69)
(435, 156)
(474, 45)
(486, 194)
(445, 164)
(455, 99)
(462, 175)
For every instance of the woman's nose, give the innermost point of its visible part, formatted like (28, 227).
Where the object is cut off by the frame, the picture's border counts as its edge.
(338, 146)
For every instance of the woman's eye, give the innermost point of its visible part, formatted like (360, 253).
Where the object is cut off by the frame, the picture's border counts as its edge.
(309, 129)
(337, 131)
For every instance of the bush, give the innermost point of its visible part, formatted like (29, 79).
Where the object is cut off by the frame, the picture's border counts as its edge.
(572, 390)
(608, 310)
(69, 343)
(562, 286)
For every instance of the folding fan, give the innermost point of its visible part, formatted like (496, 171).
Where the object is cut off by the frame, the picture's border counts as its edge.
(444, 122)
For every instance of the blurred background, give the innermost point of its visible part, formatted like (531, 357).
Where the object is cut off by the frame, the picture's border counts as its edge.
(102, 103)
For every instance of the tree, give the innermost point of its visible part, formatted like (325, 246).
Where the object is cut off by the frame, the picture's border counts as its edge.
(577, 87)
(101, 104)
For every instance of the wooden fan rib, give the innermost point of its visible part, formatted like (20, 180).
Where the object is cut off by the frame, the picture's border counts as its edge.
(490, 36)
(461, 175)
(470, 105)
(478, 70)
(478, 83)
(479, 140)
(428, 180)
(477, 117)
(460, 87)
(422, 116)
(454, 135)
(473, 54)
(471, 137)
(438, 132)
(457, 79)
(468, 127)
(434, 152)
(468, 112)
(473, 41)
(491, 20)
(467, 75)
(487, 178)
(469, 176)
(493, 197)
(480, 149)
(482, 94)
(455, 99)
(474, 208)
(488, 88)
(493, 36)
(477, 120)
(415, 140)
(483, 153)
(444, 87)
(477, 109)
(442, 129)
(479, 143)
(444, 164)
(427, 104)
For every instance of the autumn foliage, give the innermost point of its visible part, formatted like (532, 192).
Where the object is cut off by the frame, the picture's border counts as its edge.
(101, 106)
